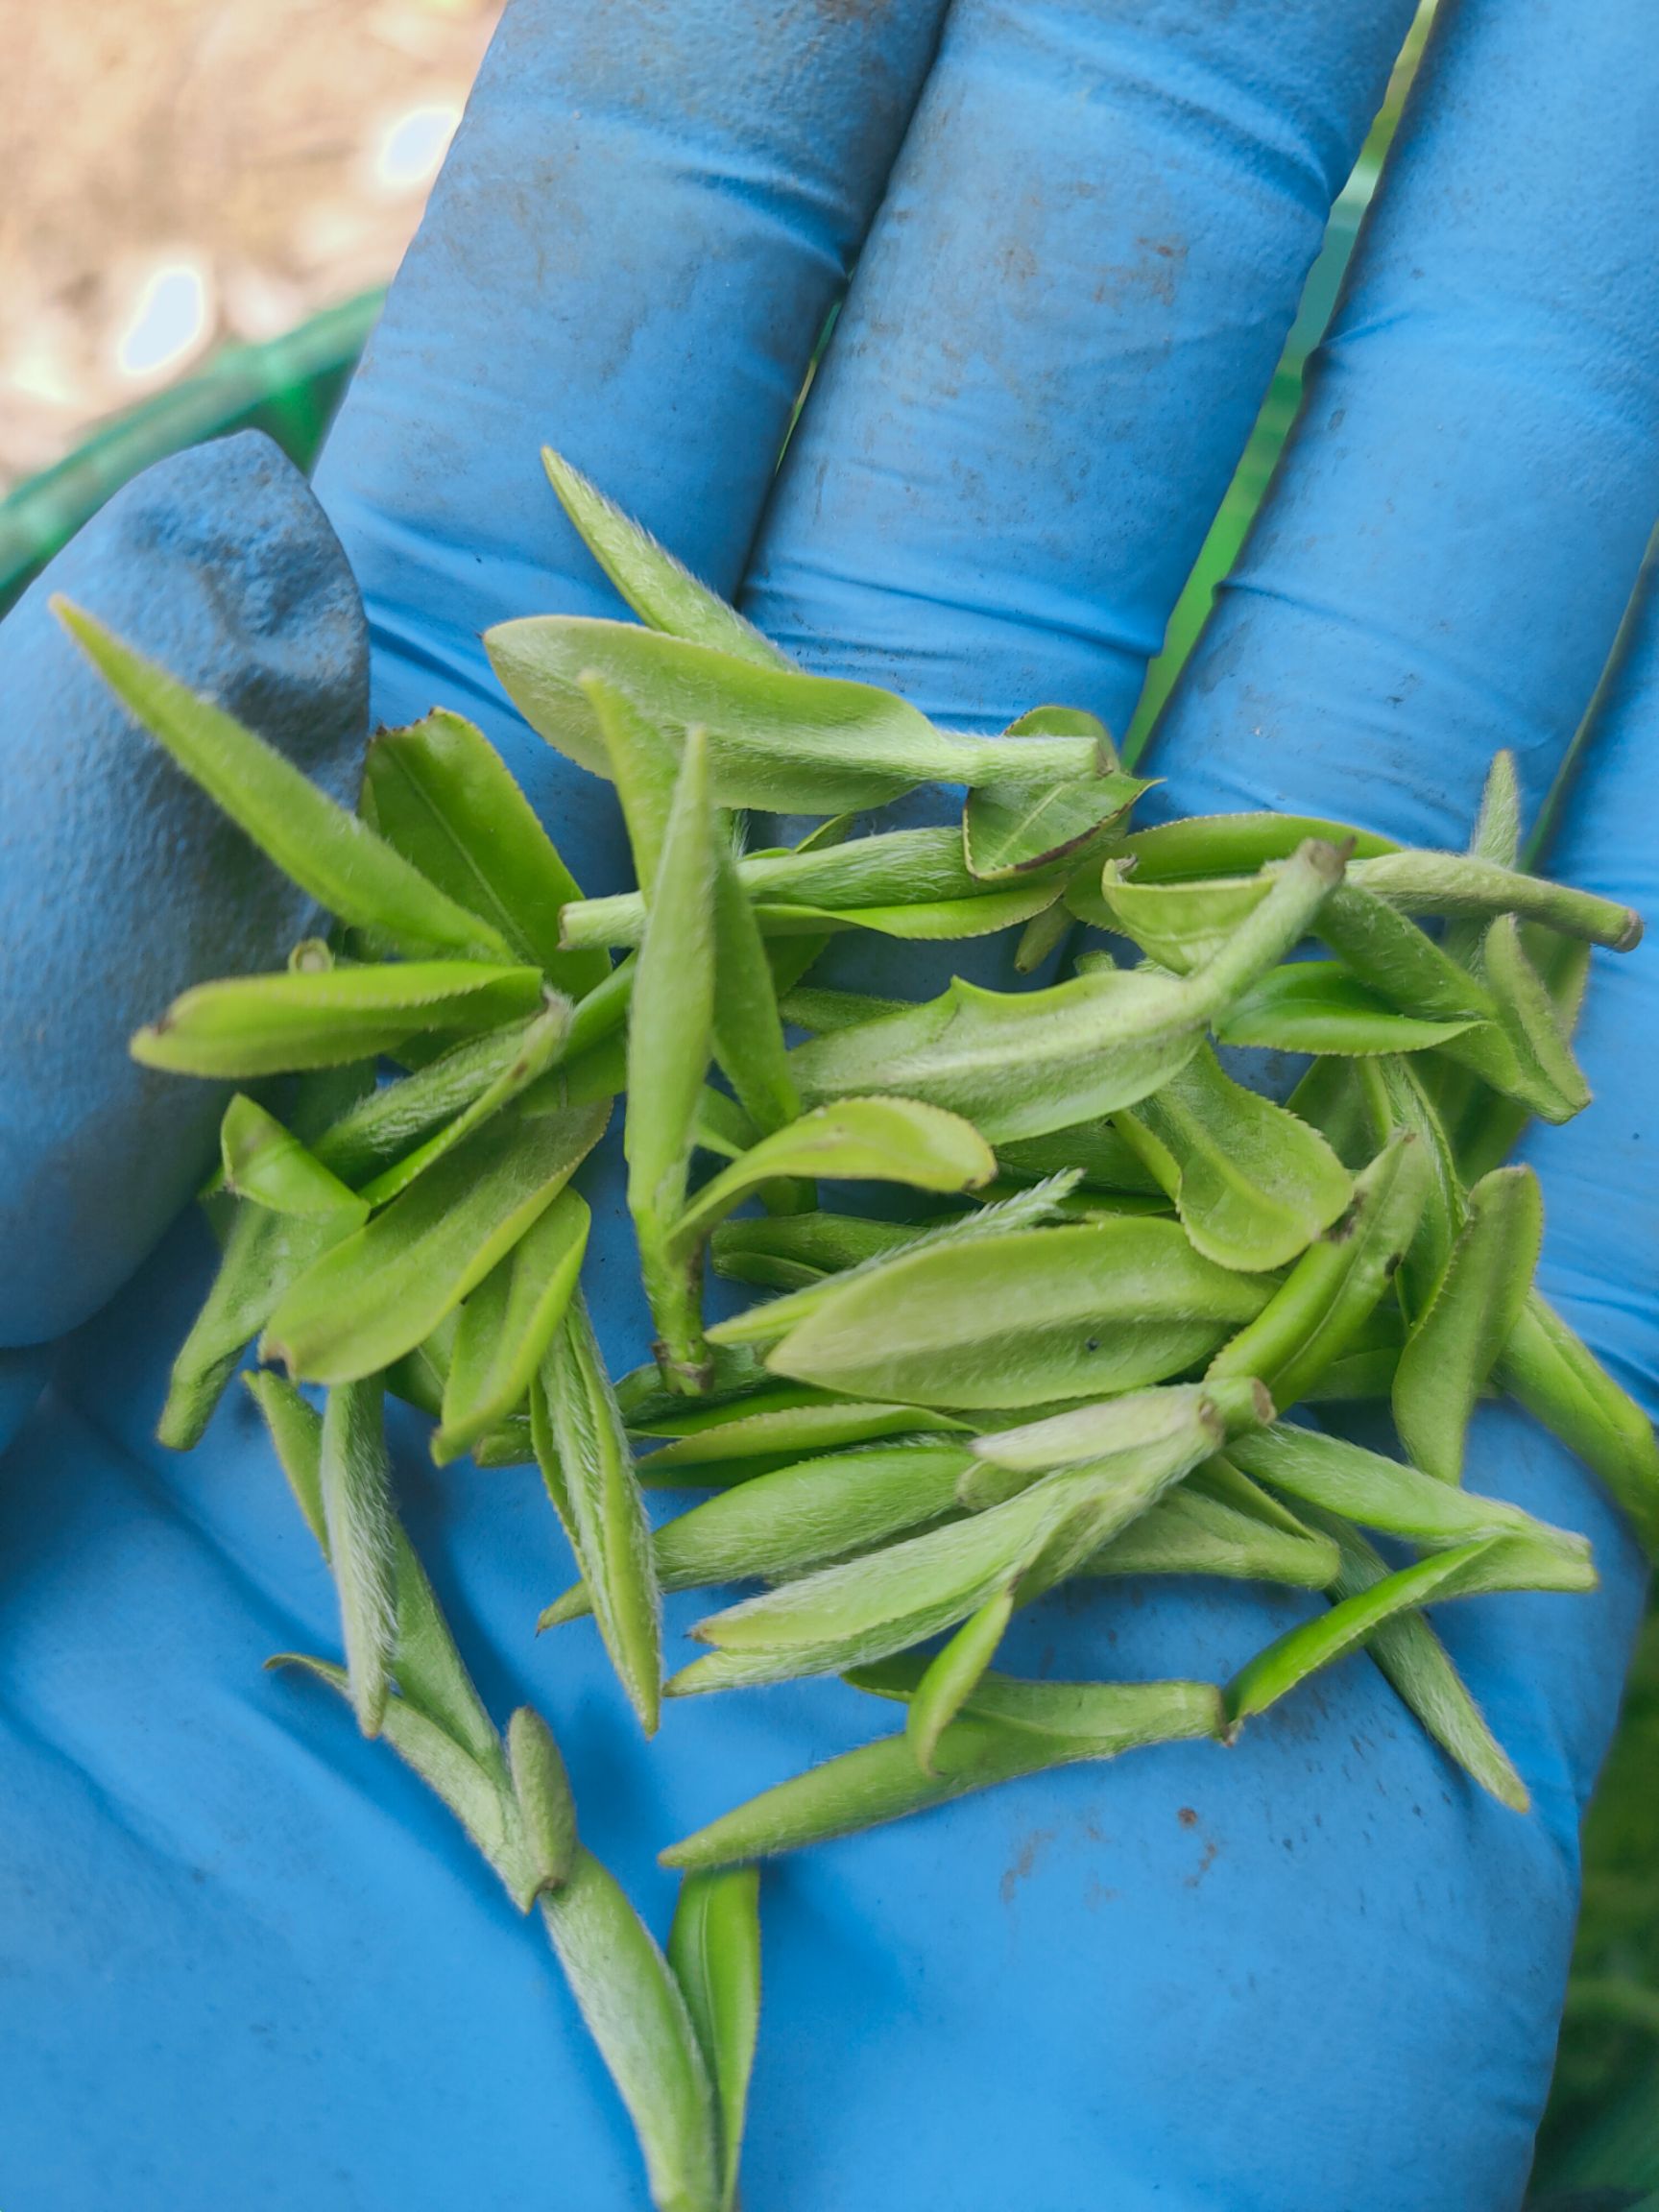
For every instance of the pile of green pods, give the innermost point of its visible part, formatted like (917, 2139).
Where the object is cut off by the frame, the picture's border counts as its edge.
(1074, 1339)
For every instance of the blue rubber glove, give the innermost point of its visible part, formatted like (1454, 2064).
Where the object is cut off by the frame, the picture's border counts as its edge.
(246, 1958)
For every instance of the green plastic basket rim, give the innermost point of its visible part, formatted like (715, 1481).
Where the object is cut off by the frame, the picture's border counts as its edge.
(288, 387)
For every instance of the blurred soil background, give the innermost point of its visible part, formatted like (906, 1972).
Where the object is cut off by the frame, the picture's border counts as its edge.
(185, 173)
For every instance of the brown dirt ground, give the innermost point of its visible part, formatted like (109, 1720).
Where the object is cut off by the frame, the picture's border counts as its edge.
(277, 152)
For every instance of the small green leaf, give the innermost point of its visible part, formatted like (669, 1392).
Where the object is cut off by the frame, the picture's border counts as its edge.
(1189, 1532)
(715, 1951)
(325, 850)
(1316, 1006)
(588, 1468)
(1345, 1479)
(442, 797)
(1561, 1384)
(1418, 1665)
(1179, 924)
(637, 2014)
(1078, 1312)
(787, 742)
(539, 1043)
(264, 1253)
(268, 1024)
(1021, 1065)
(952, 1674)
(1327, 1300)
(267, 1165)
(867, 1140)
(661, 592)
(1461, 1335)
(393, 1118)
(787, 1432)
(542, 1789)
(1555, 1085)
(1255, 1185)
(1313, 1645)
(355, 1486)
(377, 1294)
(670, 1036)
(1010, 827)
(882, 1781)
(507, 1324)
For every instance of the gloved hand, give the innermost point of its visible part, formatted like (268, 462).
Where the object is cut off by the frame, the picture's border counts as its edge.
(247, 1960)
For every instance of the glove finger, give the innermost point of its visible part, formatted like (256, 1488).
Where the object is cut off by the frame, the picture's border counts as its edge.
(1455, 534)
(1057, 340)
(1441, 571)
(120, 883)
(639, 232)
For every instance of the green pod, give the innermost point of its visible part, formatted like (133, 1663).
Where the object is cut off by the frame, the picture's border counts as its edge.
(1145, 1436)
(868, 1608)
(662, 592)
(772, 1435)
(1561, 1384)
(263, 1255)
(862, 1139)
(1253, 1185)
(779, 740)
(1420, 1670)
(798, 1517)
(1001, 1216)
(1466, 884)
(1190, 1531)
(542, 1789)
(1081, 1311)
(588, 1470)
(393, 1118)
(715, 1952)
(670, 1037)
(1009, 1729)
(1460, 1334)
(319, 845)
(1397, 959)
(442, 796)
(1328, 1298)
(952, 1674)
(506, 1325)
(380, 1291)
(1202, 844)
(1397, 1098)
(271, 1024)
(431, 1678)
(541, 1043)
(1023, 1065)
(355, 1493)
(1341, 1477)
(267, 1165)
(636, 2012)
